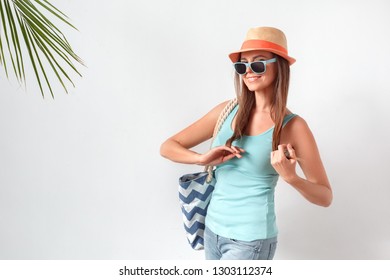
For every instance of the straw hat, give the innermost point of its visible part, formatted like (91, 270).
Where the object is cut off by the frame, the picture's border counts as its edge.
(265, 39)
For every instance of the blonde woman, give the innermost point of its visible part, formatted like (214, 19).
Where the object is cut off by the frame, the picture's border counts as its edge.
(259, 141)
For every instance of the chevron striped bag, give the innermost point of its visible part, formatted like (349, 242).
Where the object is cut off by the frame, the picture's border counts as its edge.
(195, 192)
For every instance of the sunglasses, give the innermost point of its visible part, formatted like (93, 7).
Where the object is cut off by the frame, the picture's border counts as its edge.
(257, 67)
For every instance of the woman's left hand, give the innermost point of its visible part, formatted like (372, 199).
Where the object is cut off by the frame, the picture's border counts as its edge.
(283, 165)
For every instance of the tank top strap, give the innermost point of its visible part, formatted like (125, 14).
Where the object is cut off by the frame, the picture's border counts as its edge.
(229, 120)
(288, 118)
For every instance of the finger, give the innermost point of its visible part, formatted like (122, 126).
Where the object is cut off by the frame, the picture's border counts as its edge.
(285, 151)
(239, 149)
(291, 151)
(232, 152)
(239, 152)
(235, 149)
(226, 148)
(273, 157)
(228, 157)
(282, 148)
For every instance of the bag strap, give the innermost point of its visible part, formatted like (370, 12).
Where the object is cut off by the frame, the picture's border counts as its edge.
(221, 119)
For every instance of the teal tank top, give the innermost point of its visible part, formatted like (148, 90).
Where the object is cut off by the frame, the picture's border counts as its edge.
(242, 204)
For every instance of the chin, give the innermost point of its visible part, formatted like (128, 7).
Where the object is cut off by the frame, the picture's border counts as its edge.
(258, 86)
(255, 88)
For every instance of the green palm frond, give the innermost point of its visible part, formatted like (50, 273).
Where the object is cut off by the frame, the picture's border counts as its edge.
(25, 27)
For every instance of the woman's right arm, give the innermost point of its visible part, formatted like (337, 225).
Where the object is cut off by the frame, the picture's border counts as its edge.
(177, 148)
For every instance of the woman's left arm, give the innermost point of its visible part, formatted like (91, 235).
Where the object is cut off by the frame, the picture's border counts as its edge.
(302, 148)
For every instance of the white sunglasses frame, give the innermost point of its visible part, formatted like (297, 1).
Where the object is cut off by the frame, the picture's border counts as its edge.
(249, 64)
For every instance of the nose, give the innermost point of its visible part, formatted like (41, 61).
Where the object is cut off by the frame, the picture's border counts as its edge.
(248, 69)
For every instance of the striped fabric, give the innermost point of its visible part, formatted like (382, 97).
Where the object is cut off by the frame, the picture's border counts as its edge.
(195, 194)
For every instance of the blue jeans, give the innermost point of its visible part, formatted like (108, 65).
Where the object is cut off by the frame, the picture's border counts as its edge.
(220, 248)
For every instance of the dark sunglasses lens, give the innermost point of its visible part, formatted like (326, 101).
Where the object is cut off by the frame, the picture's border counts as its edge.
(258, 67)
(240, 68)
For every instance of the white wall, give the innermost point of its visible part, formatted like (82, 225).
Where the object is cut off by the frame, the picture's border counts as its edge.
(81, 176)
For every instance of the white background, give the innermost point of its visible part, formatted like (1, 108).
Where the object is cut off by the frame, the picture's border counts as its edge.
(81, 176)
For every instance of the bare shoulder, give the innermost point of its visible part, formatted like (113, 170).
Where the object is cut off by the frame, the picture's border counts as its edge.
(218, 109)
(296, 130)
(297, 123)
(214, 113)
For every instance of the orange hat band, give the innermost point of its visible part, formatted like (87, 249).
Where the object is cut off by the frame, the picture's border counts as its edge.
(253, 44)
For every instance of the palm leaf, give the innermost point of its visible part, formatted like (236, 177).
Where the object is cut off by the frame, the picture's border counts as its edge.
(26, 23)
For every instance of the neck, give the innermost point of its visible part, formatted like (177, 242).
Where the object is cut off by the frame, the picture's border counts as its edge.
(263, 100)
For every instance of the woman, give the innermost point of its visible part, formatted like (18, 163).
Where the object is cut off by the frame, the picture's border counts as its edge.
(259, 141)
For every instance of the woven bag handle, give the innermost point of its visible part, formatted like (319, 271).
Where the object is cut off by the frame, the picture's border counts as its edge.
(221, 119)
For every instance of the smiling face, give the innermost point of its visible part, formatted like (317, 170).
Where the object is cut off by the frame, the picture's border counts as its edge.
(259, 82)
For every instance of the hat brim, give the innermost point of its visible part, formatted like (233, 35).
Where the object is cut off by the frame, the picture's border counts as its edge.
(235, 56)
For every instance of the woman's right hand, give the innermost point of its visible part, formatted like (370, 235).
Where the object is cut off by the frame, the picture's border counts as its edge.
(220, 155)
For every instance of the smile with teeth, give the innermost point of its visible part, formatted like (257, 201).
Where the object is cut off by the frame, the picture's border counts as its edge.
(253, 78)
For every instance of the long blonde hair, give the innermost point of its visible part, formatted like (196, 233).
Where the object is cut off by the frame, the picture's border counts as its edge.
(246, 101)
